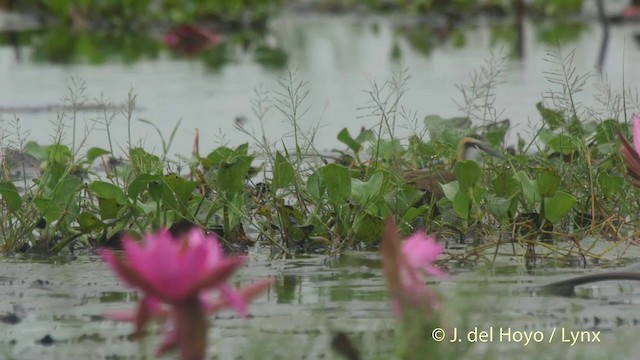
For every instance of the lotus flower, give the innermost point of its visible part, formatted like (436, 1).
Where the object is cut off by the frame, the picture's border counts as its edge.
(175, 277)
(191, 39)
(406, 265)
(631, 154)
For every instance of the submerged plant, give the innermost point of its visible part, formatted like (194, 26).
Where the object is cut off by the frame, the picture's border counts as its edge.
(176, 277)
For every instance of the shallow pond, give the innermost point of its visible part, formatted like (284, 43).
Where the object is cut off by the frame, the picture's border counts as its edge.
(51, 308)
(312, 300)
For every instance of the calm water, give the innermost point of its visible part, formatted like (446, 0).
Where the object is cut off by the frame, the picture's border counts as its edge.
(338, 56)
(313, 298)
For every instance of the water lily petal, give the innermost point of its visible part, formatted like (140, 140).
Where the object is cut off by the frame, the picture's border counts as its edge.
(636, 132)
(235, 299)
(420, 251)
(215, 276)
(247, 292)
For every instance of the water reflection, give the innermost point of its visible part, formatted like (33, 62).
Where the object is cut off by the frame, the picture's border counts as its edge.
(337, 57)
(314, 299)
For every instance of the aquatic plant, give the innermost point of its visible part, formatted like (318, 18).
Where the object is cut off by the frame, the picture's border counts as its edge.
(179, 273)
(405, 265)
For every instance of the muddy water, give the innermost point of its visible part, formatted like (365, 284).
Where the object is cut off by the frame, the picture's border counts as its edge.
(62, 300)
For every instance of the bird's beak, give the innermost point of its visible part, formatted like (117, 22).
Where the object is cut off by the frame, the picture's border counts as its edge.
(487, 149)
(480, 145)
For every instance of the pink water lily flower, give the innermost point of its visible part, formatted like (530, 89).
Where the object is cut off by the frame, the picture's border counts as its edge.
(631, 154)
(177, 278)
(406, 265)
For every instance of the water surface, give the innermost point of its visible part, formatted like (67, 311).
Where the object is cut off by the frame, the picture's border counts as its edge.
(339, 57)
(312, 300)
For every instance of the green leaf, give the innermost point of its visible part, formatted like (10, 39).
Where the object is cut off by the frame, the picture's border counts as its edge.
(10, 195)
(367, 135)
(547, 181)
(529, 188)
(316, 186)
(283, 172)
(610, 186)
(54, 206)
(364, 192)
(462, 204)
(337, 179)
(95, 152)
(564, 144)
(140, 183)
(558, 206)
(504, 185)
(88, 222)
(59, 153)
(107, 190)
(450, 189)
(144, 163)
(368, 228)
(387, 149)
(468, 174)
(412, 213)
(553, 118)
(345, 138)
(499, 207)
(182, 188)
(231, 175)
(400, 200)
(606, 132)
